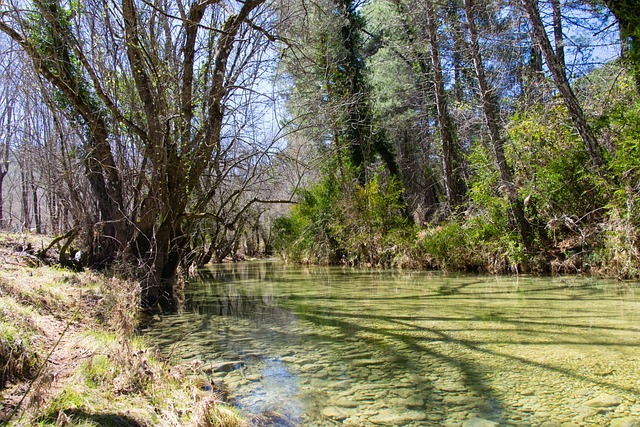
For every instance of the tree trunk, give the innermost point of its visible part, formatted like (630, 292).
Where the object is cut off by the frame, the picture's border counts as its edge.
(36, 204)
(4, 162)
(24, 186)
(533, 83)
(557, 34)
(490, 110)
(452, 182)
(4, 169)
(562, 83)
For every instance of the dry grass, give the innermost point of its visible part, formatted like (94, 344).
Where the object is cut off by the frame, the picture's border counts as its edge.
(211, 413)
(70, 355)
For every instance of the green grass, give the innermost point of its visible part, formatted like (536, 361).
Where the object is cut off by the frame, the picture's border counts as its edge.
(111, 377)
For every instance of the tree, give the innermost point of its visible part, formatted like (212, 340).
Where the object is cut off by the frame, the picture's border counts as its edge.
(413, 105)
(8, 101)
(326, 58)
(6, 135)
(450, 158)
(555, 62)
(490, 111)
(627, 12)
(557, 32)
(150, 100)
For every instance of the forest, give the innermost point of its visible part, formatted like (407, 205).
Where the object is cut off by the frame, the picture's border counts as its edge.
(152, 137)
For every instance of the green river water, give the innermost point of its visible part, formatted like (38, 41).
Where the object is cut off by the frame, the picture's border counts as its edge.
(338, 346)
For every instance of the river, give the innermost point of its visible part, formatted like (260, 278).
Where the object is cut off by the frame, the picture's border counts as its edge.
(324, 346)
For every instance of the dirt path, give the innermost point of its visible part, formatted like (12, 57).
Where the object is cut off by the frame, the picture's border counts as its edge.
(65, 354)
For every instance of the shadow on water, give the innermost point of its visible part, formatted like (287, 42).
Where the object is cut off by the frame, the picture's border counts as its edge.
(389, 325)
(376, 338)
(476, 346)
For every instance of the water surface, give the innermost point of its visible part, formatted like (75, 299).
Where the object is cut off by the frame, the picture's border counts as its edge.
(337, 346)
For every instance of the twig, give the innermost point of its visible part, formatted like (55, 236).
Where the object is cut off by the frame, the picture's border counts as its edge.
(173, 347)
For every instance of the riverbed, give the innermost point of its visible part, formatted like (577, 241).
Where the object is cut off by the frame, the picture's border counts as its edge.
(324, 346)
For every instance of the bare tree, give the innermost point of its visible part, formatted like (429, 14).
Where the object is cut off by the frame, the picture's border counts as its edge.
(149, 88)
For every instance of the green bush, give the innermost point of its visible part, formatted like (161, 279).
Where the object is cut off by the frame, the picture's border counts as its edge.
(348, 223)
(307, 234)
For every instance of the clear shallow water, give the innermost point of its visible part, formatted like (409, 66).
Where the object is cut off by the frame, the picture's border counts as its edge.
(335, 346)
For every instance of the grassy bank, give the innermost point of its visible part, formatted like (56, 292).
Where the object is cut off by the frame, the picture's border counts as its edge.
(70, 356)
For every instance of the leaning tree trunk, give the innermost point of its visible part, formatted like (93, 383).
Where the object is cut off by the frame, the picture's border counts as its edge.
(490, 110)
(557, 70)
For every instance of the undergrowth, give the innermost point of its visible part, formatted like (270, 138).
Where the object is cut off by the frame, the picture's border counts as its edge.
(70, 356)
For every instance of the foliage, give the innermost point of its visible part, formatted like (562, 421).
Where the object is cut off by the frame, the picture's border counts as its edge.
(581, 220)
(565, 198)
(618, 253)
(307, 234)
(331, 225)
(555, 180)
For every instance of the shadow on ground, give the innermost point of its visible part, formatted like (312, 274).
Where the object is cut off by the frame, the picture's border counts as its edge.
(99, 419)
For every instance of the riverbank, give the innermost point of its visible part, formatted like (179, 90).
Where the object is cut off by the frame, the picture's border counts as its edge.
(70, 355)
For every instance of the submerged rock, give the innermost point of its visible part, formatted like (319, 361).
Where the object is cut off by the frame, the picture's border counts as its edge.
(625, 422)
(345, 402)
(451, 387)
(479, 422)
(229, 366)
(368, 362)
(336, 412)
(409, 402)
(459, 400)
(388, 417)
(604, 401)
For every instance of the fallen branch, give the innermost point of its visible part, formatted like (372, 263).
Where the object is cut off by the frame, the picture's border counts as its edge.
(42, 254)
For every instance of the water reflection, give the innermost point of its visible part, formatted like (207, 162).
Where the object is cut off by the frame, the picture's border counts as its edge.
(333, 346)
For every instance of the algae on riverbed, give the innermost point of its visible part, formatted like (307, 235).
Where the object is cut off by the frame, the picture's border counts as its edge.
(338, 346)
